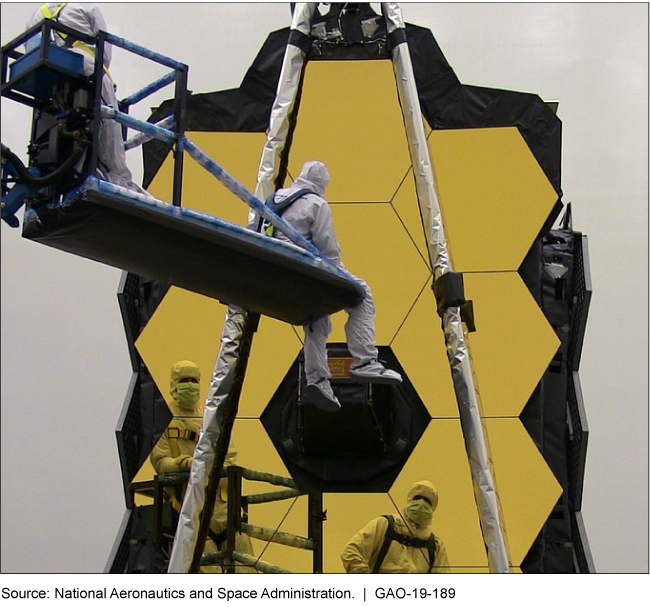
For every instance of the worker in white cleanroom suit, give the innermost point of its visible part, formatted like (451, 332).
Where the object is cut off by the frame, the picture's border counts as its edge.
(88, 19)
(311, 216)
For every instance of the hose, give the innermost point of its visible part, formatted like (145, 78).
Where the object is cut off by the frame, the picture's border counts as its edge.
(40, 182)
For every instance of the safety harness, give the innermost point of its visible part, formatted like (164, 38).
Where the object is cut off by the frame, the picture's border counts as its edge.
(54, 16)
(174, 433)
(405, 540)
(265, 226)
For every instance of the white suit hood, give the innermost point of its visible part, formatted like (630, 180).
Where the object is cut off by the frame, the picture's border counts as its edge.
(314, 176)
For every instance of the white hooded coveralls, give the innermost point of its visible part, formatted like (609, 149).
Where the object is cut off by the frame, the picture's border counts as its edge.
(88, 19)
(311, 216)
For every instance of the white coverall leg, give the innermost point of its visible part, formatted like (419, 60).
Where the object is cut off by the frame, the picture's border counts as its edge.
(359, 331)
(110, 145)
(88, 19)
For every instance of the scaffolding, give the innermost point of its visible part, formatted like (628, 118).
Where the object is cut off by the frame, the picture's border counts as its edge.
(166, 491)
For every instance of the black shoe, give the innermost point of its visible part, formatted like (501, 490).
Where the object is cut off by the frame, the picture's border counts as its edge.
(321, 396)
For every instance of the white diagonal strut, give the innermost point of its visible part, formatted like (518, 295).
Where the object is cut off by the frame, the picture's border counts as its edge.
(457, 352)
(233, 328)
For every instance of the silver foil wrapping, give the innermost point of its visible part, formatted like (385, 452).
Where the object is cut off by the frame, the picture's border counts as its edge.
(461, 369)
(222, 375)
(220, 383)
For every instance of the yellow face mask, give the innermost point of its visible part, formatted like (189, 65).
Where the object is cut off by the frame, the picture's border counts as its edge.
(187, 393)
(419, 512)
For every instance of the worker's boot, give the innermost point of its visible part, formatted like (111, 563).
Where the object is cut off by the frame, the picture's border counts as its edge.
(321, 395)
(374, 372)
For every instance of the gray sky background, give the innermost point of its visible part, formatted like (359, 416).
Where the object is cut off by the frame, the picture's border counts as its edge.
(65, 365)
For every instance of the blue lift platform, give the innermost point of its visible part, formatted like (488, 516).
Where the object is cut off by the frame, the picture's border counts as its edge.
(76, 211)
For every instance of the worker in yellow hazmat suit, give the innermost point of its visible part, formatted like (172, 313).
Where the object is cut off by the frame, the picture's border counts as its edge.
(175, 449)
(400, 545)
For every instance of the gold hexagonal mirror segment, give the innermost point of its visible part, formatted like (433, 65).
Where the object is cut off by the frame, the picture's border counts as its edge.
(350, 118)
(513, 343)
(494, 196)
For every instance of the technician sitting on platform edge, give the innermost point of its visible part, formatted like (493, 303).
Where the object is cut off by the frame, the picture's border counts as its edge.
(311, 216)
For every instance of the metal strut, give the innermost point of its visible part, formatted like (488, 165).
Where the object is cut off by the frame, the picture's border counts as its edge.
(223, 440)
(459, 360)
(219, 403)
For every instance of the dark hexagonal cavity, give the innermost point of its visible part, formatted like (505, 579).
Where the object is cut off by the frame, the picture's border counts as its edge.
(360, 449)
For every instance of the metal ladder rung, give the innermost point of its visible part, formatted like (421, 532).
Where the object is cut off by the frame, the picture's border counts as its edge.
(270, 496)
(278, 537)
(218, 558)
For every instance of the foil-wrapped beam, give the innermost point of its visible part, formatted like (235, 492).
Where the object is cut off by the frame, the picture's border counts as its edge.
(153, 130)
(148, 90)
(233, 329)
(144, 52)
(461, 369)
(138, 139)
(220, 384)
(285, 97)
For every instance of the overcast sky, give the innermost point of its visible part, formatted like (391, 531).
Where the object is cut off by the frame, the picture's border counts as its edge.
(65, 365)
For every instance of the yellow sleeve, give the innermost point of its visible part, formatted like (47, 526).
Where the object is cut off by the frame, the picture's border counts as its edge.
(440, 563)
(162, 460)
(231, 456)
(360, 553)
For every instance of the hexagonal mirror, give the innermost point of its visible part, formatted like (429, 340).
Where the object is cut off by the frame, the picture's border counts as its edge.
(360, 448)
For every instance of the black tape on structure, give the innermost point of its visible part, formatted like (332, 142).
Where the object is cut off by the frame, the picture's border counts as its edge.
(396, 38)
(449, 290)
(302, 41)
